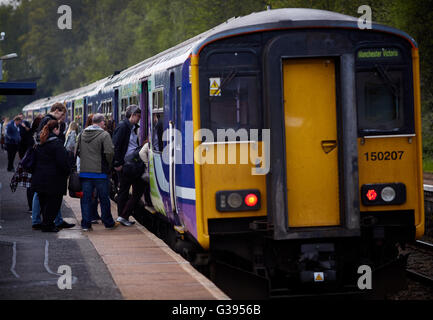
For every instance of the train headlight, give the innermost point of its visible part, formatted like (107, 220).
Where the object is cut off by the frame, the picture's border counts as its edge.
(234, 200)
(383, 194)
(388, 194)
(237, 200)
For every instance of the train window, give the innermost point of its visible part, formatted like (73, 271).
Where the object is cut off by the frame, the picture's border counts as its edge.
(109, 107)
(157, 132)
(124, 105)
(158, 100)
(89, 108)
(380, 98)
(157, 119)
(237, 105)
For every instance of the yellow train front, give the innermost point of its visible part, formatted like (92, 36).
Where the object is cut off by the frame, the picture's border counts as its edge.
(309, 163)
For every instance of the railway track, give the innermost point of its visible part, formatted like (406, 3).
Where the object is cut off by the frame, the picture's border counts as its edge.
(420, 275)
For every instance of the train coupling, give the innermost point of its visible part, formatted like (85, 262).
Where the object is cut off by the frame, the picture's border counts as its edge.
(317, 263)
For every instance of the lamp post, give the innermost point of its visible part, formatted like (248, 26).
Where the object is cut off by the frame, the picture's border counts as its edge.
(14, 88)
(5, 57)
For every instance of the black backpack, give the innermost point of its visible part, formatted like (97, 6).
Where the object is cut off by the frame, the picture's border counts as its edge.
(133, 166)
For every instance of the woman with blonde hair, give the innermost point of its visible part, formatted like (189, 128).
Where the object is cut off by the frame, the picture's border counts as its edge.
(71, 137)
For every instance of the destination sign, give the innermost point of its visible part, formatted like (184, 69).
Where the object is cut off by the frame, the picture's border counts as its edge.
(379, 53)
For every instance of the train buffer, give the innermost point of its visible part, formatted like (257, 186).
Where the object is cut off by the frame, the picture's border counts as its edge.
(125, 263)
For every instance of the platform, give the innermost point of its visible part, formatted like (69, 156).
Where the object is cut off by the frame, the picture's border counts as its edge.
(125, 263)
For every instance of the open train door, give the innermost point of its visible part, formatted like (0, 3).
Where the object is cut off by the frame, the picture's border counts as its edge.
(311, 110)
(144, 106)
(116, 106)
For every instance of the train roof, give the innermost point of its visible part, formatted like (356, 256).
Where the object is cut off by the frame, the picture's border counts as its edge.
(287, 18)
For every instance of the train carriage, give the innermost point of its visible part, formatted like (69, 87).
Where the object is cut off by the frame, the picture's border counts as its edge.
(286, 143)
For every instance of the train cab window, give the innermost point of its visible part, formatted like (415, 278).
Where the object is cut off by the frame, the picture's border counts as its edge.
(383, 92)
(236, 105)
(89, 108)
(380, 100)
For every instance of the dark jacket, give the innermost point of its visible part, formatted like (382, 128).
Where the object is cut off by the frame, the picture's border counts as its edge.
(42, 124)
(51, 168)
(26, 136)
(121, 141)
(12, 134)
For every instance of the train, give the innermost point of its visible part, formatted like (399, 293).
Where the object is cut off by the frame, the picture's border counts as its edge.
(291, 150)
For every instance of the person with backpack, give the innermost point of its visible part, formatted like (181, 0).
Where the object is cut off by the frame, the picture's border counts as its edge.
(126, 157)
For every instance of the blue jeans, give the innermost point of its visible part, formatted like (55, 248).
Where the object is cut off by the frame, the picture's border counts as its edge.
(36, 212)
(93, 207)
(101, 185)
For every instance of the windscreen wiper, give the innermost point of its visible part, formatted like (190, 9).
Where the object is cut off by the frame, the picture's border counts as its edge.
(387, 80)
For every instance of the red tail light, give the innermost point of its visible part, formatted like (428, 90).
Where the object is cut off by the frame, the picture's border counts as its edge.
(251, 200)
(371, 195)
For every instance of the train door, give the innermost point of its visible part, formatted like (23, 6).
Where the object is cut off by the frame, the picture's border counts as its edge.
(311, 142)
(85, 111)
(312, 188)
(171, 145)
(144, 106)
(116, 106)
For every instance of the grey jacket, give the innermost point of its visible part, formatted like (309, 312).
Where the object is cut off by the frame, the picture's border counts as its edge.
(95, 149)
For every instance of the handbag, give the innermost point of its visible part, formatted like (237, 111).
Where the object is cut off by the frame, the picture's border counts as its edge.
(74, 185)
(29, 160)
(133, 166)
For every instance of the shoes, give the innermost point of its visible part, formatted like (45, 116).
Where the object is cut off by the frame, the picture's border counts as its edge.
(95, 221)
(125, 222)
(87, 229)
(150, 209)
(37, 226)
(114, 226)
(52, 229)
(65, 225)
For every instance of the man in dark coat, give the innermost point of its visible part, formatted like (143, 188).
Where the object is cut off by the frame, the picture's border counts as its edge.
(125, 140)
(57, 112)
(12, 140)
(26, 137)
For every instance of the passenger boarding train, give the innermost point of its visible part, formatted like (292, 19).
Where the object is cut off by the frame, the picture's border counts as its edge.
(342, 106)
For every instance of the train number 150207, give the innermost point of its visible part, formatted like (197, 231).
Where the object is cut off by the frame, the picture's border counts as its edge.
(384, 156)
